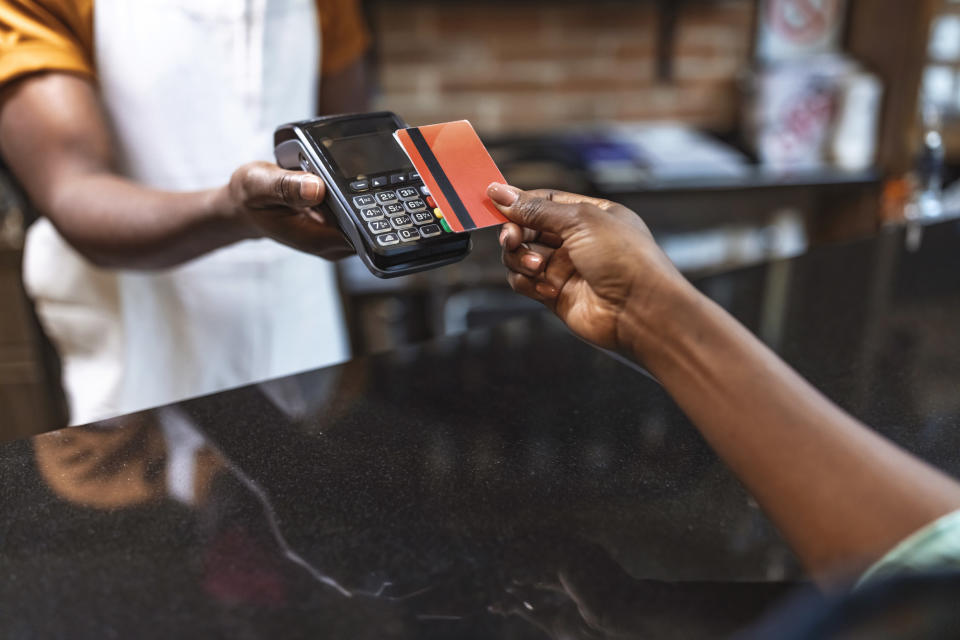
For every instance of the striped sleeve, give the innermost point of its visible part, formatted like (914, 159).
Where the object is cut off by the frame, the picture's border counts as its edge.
(935, 547)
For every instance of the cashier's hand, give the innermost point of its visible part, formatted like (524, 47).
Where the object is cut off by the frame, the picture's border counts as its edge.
(274, 203)
(593, 262)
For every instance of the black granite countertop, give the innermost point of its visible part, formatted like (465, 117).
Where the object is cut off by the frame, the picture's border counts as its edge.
(505, 483)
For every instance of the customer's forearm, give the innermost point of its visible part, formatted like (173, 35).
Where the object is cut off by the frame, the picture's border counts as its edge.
(841, 494)
(117, 223)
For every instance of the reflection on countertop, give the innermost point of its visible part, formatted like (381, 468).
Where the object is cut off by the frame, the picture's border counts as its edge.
(503, 483)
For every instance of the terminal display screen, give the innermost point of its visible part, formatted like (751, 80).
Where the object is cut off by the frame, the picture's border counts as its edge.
(367, 154)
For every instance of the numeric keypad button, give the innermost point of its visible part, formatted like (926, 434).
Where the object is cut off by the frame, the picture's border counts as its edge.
(386, 197)
(408, 235)
(422, 217)
(373, 213)
(363, 201)
(394, 209)
(415, 205)
(401, 222)
(407, 193)
(430, 230)
(379, 226)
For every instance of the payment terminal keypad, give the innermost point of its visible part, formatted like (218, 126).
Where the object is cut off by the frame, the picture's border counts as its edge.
(397, 211)
(374, 192)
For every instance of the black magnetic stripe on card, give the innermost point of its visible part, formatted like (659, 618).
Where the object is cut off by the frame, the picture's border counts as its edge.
(442, 181)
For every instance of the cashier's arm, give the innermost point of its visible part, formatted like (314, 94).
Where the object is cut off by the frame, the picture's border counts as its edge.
(841, 494)
(54, 137)
(345, 90)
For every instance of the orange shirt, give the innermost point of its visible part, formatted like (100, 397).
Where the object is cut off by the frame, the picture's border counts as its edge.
(57, 35)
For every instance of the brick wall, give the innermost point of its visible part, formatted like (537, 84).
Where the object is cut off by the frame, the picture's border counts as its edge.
(527, 65)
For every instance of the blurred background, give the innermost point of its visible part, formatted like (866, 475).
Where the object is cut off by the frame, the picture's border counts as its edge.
(740, 130)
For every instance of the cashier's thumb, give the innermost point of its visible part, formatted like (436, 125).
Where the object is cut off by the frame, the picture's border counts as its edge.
(299, 189)
(530, 209)
(264, 185)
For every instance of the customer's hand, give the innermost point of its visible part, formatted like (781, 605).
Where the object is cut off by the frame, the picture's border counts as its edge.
(275, 203)
(593, 262)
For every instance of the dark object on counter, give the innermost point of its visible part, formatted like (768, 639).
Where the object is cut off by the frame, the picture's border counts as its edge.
(908, 607)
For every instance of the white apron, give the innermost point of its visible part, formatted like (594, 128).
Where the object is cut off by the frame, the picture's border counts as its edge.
(193, 89)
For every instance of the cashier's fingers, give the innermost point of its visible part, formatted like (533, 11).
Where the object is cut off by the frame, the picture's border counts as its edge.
(262, 184)
(299, 228)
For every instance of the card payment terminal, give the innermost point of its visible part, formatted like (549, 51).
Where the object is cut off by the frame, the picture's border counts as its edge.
(379, 201)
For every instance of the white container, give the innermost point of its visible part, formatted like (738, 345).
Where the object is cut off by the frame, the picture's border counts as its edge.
(854, 143)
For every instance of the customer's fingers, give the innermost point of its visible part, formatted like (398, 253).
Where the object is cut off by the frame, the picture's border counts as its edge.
(540, 213)
(513, 235)
(265, 185)
(564, 197)
(528, 259)
(533, 288)
(559, 269)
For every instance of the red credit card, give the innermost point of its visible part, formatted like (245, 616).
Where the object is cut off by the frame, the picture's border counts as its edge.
(457, 169)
